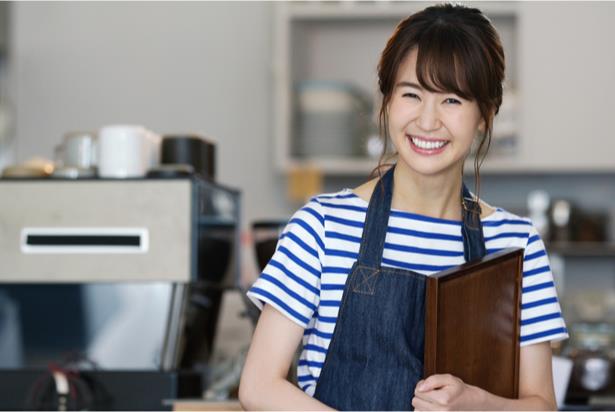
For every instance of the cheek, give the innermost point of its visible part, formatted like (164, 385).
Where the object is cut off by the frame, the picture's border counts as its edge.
(393, 120)
(399, 116)
(466, 129)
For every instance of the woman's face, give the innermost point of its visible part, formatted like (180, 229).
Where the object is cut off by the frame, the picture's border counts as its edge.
(432, 132)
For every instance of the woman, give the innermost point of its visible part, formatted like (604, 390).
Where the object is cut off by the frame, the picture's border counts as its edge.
(440, 76)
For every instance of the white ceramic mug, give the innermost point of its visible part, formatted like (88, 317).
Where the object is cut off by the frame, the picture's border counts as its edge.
(79, 150)
(123, 151)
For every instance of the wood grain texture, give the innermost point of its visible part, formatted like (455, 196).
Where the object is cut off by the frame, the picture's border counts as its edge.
(472, 322)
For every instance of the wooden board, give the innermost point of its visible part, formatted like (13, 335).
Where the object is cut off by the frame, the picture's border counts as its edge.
(472, 317)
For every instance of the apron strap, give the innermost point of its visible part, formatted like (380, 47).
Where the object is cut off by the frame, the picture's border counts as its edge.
(471, 228)
(377, 222)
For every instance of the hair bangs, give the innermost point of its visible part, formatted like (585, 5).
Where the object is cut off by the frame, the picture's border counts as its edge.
(440, 49)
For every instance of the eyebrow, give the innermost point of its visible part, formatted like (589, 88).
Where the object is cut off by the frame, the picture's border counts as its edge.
(419, 87)
(409, 84)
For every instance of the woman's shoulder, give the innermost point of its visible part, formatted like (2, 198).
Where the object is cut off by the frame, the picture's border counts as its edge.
(345, 196)
(308, 222)
(486, 209)
(502, 215)
(340, 202)
(504, 228)
(504, 223)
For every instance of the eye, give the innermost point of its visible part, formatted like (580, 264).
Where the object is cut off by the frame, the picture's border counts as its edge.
(411, 95)
(452, 100)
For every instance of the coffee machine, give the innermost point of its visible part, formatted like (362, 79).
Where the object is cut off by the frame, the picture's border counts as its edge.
(112, 286)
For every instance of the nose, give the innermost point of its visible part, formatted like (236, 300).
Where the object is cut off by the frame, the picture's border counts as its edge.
(428, 118)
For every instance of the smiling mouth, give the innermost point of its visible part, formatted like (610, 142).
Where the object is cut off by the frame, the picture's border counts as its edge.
(427, 144)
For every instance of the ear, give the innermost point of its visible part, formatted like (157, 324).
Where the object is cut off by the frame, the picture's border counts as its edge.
(482, 126)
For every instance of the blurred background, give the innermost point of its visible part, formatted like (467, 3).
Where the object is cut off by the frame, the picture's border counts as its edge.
(285, 97)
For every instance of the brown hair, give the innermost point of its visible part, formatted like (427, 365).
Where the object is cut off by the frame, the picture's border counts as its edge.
(447, 36)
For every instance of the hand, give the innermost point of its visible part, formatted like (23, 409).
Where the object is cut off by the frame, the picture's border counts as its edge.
(444, 393)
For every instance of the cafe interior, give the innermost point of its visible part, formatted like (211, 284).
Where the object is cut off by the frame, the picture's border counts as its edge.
(152, 153)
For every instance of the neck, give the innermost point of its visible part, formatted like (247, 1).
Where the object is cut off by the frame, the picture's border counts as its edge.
(436, 196)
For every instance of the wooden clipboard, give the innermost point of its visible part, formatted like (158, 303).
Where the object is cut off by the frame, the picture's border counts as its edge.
(472, 322)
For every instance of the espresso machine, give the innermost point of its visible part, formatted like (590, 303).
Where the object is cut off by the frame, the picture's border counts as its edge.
(110, 289)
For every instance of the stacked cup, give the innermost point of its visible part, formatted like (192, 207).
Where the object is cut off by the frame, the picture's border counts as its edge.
(126, 151)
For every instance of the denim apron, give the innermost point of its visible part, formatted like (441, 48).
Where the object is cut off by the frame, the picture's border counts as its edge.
(375, 357)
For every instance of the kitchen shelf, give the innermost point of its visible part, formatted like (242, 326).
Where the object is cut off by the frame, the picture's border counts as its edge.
(342, 41)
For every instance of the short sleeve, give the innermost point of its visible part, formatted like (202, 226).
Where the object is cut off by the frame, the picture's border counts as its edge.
(291, 280)
(541, 315)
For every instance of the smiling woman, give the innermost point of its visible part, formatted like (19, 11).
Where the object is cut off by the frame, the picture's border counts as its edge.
(457, 59)
(440, 76)
(423, 124)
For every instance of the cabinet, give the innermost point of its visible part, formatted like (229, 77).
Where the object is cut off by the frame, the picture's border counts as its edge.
(340, 42)
(562, 77)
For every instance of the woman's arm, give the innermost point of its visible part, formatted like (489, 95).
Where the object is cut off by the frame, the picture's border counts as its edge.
(446, 392)
(263, 383)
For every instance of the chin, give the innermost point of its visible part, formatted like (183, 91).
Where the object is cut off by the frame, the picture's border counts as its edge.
(429, 167)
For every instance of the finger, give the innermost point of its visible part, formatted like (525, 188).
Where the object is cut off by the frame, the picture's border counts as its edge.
(438, 397)
(423, 405)
(434, 382)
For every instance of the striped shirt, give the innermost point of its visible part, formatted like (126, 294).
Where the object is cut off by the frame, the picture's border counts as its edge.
(306, 275)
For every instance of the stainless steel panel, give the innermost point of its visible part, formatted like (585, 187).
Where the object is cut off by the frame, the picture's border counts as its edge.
(160, 209)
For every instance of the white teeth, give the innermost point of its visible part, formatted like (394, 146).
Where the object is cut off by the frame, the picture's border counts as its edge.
(428, 145)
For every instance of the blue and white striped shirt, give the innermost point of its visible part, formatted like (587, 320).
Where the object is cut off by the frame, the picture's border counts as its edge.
(306, 275)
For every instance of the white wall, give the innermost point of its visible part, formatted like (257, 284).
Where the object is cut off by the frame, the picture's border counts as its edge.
(206, 68)
(173, 67)
(567, 71)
